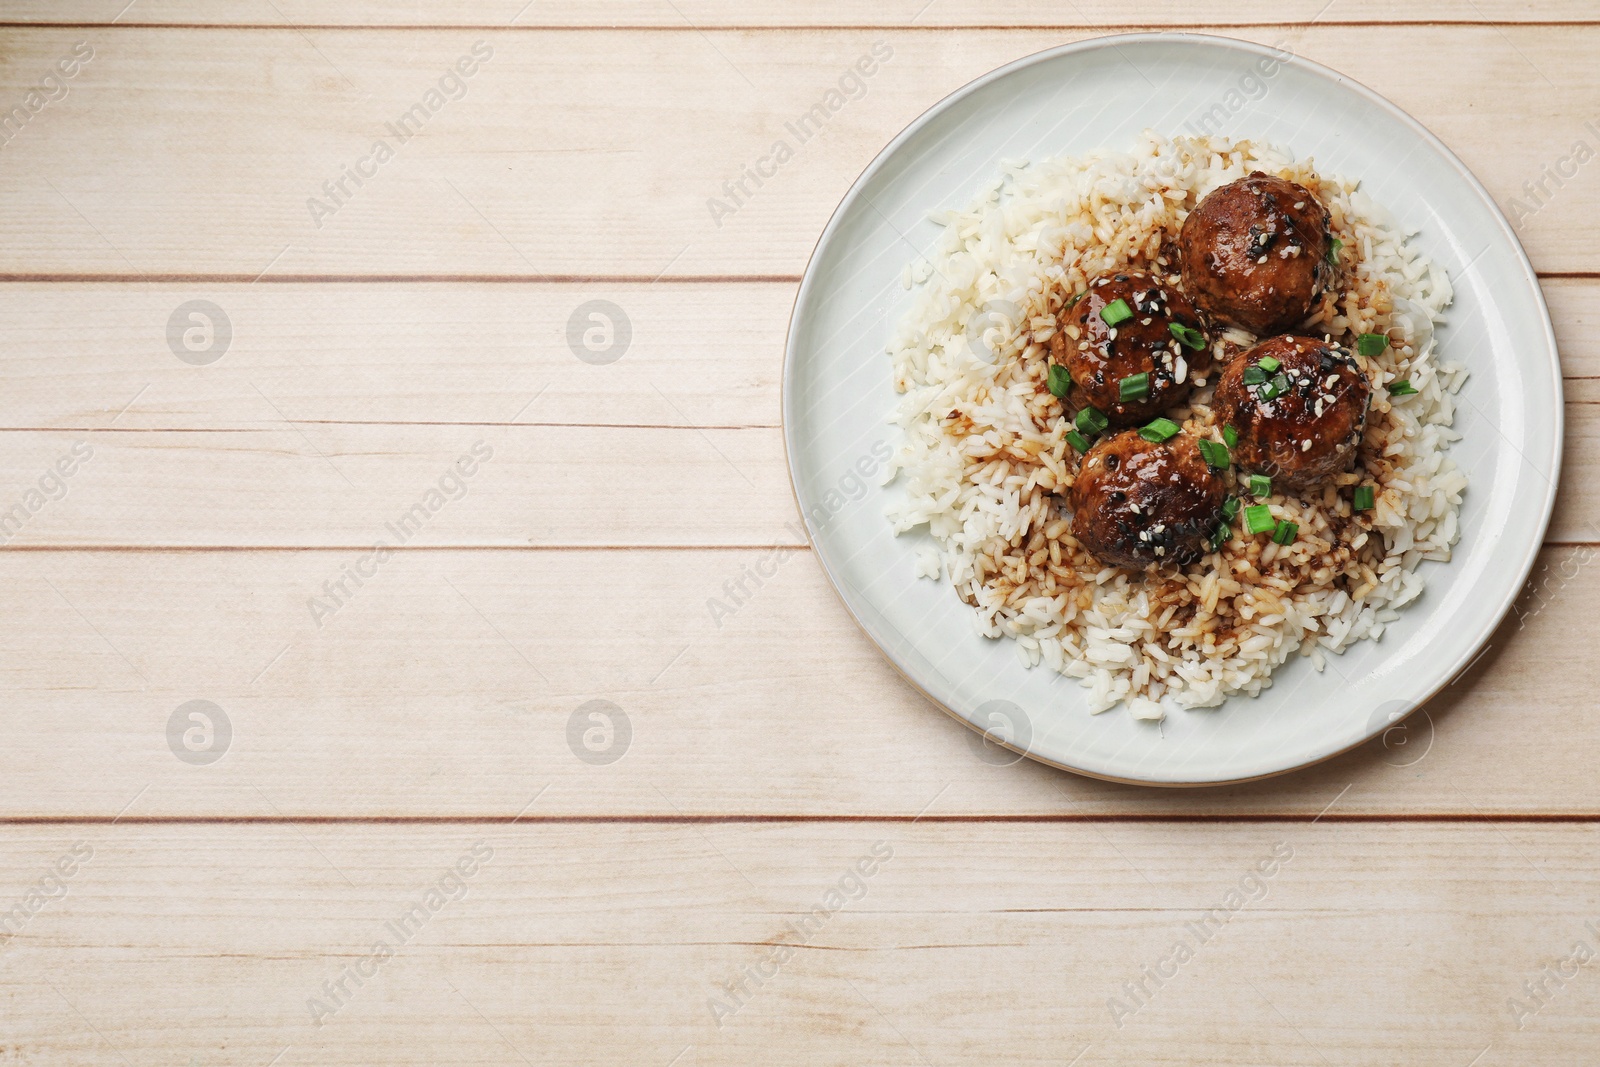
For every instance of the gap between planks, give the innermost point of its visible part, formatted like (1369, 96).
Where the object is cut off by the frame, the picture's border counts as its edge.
(484, 279)
(397, 549)
(1484, 818)
(1117, 27)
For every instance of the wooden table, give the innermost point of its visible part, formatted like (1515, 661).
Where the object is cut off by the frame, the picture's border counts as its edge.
(400, 829)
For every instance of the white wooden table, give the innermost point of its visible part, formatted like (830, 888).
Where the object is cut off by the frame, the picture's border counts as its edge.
(396, 833)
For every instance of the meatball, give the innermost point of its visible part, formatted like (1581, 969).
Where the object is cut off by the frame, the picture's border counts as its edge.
(1136, 502)
(1150, 341)
(1254, 254)
(1300, 420)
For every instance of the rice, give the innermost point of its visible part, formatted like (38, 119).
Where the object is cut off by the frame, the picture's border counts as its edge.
(985, 463)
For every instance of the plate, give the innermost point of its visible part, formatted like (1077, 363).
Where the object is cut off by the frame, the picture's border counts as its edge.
(837, 397)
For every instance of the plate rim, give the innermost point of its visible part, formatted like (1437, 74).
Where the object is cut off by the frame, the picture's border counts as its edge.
(1529, 554)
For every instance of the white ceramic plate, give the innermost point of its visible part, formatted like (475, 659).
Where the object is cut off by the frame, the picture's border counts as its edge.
(837, 395)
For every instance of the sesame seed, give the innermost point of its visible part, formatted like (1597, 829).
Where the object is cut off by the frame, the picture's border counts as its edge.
(1298, 204)
(1305, 446)
(1144, 322)
(1111, 334)
(1181, 371)
(1263, 259)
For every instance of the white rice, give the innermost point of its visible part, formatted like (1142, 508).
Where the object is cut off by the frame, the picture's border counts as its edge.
(986, 466)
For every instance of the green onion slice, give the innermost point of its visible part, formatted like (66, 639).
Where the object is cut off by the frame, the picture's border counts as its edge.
(1402, 388)
(1259, 485)
(1230, 509)
(1230, 435)
(1160, 430)
(1333, 251)
(1372, 344)
(1188, 335)
(1254, 375)
(1219, 536)
(1091, 421)
(1285, 532)
(1363, 498)
(1077, 440)
(1116, 311)
(1073, 302)
(1060, 381)
(1258, 519)
(1268, 364)
(1216, 454)
(1134, 387)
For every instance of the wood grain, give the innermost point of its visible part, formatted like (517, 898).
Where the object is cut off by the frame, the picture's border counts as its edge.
(446, 683)
(1364, 944)
(574, 153)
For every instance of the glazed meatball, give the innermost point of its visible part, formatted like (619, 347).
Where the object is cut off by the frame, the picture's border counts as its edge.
(1254, 254)
(1299, 421)
(1136, 502)
(1099, 354)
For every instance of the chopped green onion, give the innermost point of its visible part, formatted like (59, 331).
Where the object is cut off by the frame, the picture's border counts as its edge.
(1230, 509)
(1286, 532)
(1116, 311)
(1362, 500)
(1216, 454)
(1160, 430)
(1189, 336)
(1074, 300)
(1060, 382)
(1219, 536)
(1077, 440)
(1091, 421)
(1402, 388)
(1333, 251)
(1254, 375)
(1259, 485)
(1258, 519)
(1372, 344)
(1275, 388)
(1230, 435)
(1268, 364)
(1134, 387)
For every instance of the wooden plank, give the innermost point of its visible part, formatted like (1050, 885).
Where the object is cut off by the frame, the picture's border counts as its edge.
(684, 14)
(583, 153)
(353, 485)
(446, 684)
(305, 485)
(583, 943)
(77, 354)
